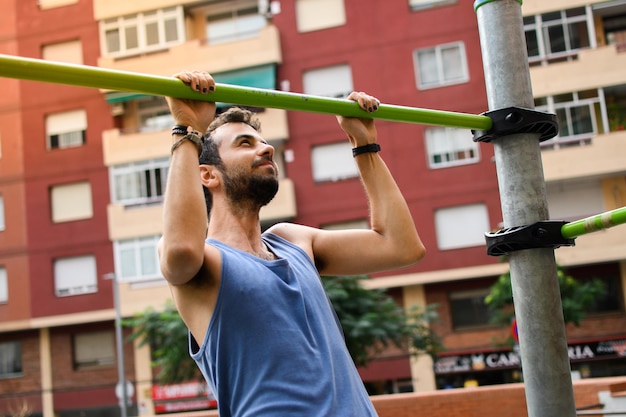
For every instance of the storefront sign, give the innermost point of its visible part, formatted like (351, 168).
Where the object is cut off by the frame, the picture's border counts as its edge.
(182, 397)
(606, 349)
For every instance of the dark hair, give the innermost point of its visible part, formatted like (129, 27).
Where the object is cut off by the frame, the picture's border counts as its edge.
(210, 148)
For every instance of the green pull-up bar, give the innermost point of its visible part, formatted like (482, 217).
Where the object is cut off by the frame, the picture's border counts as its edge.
(594, 223)
(108, 79)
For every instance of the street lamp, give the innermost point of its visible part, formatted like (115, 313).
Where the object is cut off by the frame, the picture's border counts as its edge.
(121, 373)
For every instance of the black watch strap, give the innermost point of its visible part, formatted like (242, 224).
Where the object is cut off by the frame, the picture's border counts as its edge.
(370, 147)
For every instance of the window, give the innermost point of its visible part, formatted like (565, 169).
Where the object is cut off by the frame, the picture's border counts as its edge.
(94, 349)
(154, 114)
(75, 275)
(319, 14)
(50, 4)
(4, 286)
(10, 359)
(447, 147)
(234, 20)
(137, 259)
(139, 182)
(334, 81)
(333, 162)
(559, 35)
(70, 52)
(71, 202)
(461, 226)
(468, 308)
(2, 221)
(609, 273)
(440, 66)
(350, 224)
(425, 4)
(143, 32)
(577, 114)
(573, 200)
(67, 129)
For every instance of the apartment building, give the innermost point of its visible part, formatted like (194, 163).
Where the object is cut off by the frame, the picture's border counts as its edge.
(82, 206)
(55, 304)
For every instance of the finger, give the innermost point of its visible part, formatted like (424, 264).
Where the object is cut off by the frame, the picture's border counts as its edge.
(366, 102)
(184, 76)
(199, 81)
(205, 82)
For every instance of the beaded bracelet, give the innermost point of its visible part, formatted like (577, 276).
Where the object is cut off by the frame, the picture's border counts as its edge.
(192, 137)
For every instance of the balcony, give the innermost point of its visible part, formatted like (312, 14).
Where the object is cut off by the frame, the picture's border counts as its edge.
(197, 54)
(122, 147)
(603, 157)
(594, 68)
(132, 222)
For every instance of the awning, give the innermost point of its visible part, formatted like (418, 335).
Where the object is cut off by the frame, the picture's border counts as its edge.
(262, 76)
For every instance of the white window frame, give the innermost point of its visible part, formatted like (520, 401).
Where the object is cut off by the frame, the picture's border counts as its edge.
(139, 24)
(11, 364)
(332, 81)
(234, 20)
(71, 202)
(448, 147)
(312, 15)
(138, 183)
(540, 29)
(4, 286)
(66, 129)
(348, 224)
(70, 52)
(2, 218)
(51, 4)
(75, 275)
(564, 111)
(427, 4)
(441, 79)
(333, 162)
(134, 251)
(461, 226)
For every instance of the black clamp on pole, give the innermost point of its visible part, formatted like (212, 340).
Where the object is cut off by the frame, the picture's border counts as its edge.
(511, 120)
(543, 234)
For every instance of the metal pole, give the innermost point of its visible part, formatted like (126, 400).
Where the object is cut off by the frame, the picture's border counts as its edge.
(108, 79)
(538, 310)
(119, 342)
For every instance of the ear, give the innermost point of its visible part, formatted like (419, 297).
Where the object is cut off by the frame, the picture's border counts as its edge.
(210, 176)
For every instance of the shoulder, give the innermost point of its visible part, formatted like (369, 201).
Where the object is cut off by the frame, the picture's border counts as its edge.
(292, 232)
(300, 235)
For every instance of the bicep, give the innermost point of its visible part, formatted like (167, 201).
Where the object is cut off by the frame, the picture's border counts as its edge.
(350, 252)
(345, 252)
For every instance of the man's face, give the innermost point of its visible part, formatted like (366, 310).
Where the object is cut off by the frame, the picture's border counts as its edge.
(250, 176)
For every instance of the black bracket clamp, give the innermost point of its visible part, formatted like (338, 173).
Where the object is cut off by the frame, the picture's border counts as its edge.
(543, 234)
(511, 120)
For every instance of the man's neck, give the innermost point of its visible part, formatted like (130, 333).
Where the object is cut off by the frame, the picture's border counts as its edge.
(240, 232)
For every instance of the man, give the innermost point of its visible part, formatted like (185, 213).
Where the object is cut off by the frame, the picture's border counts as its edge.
(262, 330)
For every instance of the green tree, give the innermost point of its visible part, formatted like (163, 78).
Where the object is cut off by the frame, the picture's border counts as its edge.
(166, 334)
(371, 321)
(576, 297)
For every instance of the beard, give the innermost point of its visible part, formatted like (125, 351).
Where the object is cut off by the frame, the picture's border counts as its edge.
(247, 191)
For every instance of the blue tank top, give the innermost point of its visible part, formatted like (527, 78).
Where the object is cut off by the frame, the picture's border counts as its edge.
(274, 346)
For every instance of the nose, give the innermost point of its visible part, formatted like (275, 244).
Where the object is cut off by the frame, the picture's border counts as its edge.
(265, 149)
